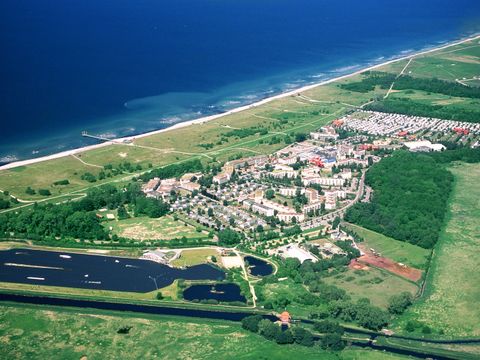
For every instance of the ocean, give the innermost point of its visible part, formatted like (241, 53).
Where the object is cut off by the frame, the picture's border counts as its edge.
(124, 67)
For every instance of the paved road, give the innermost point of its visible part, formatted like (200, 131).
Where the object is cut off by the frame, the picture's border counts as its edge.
(340, 212)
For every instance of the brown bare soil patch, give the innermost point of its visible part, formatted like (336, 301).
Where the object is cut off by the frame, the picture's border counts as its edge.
(384, 263)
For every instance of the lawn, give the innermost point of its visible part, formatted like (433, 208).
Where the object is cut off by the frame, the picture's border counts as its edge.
(195, 257)
(144, 228)
(451, 299)
(374, 284)
(399, 251)
(52, 333)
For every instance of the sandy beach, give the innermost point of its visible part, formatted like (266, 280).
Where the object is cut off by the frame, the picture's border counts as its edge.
(233, 111)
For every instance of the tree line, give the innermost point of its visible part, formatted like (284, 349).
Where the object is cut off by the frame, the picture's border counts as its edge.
(384, 80)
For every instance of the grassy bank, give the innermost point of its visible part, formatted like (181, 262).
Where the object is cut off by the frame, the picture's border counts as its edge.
(55, 333)
(452, 295)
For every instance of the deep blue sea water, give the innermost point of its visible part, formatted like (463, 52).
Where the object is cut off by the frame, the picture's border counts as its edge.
(121, 67)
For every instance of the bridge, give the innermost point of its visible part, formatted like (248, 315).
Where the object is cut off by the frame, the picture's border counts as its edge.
(101, 138)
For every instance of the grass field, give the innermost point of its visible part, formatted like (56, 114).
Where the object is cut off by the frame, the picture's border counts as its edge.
(195, 257)
(50, 333)
(452, 295)
(164, 228)
(374, 284)
(399, 251)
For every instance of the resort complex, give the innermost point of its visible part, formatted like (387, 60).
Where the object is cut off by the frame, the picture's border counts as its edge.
(335, 221)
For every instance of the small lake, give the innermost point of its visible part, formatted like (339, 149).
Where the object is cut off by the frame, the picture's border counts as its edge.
(258, 267)
(219, 292)
(99, 272)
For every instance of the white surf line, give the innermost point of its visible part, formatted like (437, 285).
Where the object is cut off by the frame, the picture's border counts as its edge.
(85, 163)
(233, 111)
(455, 50)
(34, 266)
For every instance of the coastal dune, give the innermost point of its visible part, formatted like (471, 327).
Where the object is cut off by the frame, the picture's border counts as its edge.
(233, 111)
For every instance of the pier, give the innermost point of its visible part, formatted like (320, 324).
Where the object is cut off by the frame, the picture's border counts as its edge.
(101, 138)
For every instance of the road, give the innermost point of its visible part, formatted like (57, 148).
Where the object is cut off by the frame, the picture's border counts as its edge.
(340, 212)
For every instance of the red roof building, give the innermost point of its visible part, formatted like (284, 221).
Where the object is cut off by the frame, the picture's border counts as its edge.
(285, 317)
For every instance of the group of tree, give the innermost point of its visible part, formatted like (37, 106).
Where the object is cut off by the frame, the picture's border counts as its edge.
(409, 202)
(273, 332)
(42, 192)
(229, 237)
(79, 219)
(174, 170)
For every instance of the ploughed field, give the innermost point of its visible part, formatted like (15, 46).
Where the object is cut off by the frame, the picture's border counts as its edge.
(97, 272)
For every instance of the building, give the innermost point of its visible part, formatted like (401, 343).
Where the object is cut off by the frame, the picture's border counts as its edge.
(290, 192)
(221, 178)
(330, 200)
(325, 181)
(288, 217)
(258, 208)
(150, 187)
(155, 255)
(285, 318)
(312, 207)
(423, 145)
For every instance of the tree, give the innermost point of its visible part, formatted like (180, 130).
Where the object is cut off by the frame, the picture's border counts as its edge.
(251, 323)
(268, 329)
(228, 237)
(397, 304)
(159, 296)
(284, 337)
(299, 137)
(336, 222)
(333, 342)
(327, 326)
(122, 213)
(303, 337)
(4, 204)
(30, 191)
(269, 194)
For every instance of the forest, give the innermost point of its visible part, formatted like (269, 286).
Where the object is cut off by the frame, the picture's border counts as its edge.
(410, 194)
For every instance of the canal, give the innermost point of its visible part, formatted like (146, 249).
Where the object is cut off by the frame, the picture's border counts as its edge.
(98, 272)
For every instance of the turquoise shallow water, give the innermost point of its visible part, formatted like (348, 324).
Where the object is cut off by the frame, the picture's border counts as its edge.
(121, 67)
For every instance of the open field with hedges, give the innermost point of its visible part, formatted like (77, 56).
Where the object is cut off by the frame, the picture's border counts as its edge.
(35, 333)
(144, 228)
(452, 295)
(374, 284)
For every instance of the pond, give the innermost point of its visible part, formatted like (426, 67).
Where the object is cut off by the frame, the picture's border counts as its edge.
(258, 267)
(97, 272)
(219, 292)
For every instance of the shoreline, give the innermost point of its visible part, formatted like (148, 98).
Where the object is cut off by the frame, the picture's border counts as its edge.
(205, 119)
